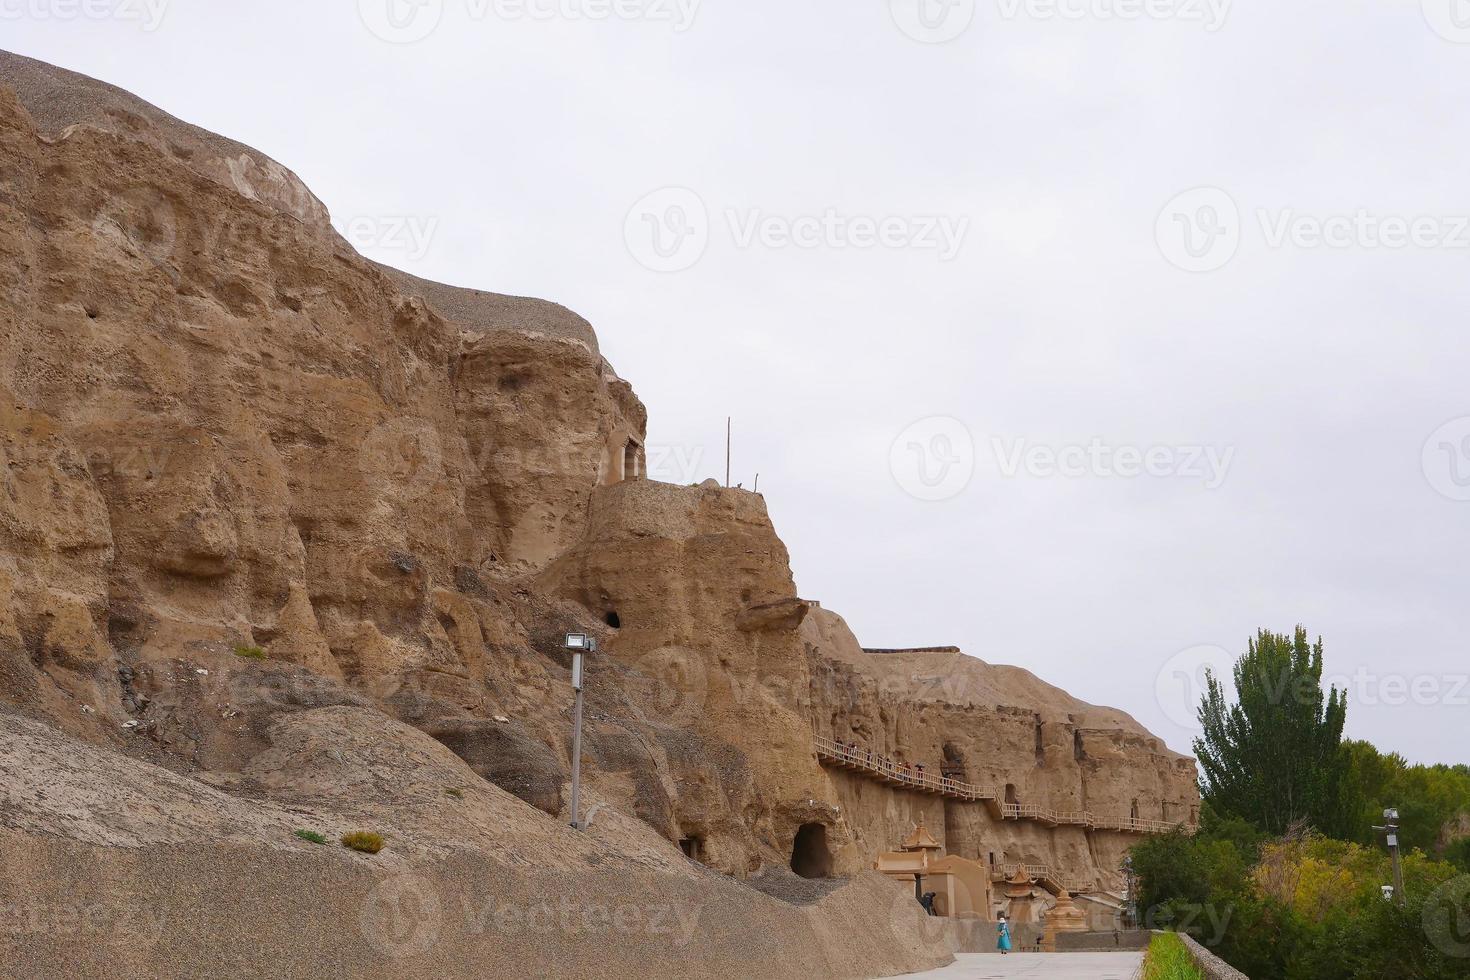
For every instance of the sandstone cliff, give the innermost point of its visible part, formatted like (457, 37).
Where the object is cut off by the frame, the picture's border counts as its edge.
(286, 534)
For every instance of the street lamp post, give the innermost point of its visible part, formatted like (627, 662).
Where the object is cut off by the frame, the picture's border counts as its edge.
(1391, 836)
(1130, 901)
(578, 643)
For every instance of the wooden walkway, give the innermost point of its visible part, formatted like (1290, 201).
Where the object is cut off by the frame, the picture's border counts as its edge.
(874, 766)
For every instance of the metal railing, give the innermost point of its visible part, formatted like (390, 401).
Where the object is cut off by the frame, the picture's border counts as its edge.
(1043, 872)
(925, 781)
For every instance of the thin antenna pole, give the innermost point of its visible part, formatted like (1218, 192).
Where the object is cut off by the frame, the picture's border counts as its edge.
(728, 430)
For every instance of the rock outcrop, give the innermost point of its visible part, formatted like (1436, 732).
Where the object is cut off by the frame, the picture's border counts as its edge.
(281, 526)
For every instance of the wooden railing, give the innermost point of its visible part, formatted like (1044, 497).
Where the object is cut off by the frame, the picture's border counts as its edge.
(1042, 873)
(885, 770)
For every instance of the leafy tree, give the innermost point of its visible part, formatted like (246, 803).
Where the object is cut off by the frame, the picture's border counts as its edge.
(1275, 757)
(1433, 801)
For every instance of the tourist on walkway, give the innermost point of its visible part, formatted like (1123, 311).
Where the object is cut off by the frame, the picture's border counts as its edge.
(1003, 938)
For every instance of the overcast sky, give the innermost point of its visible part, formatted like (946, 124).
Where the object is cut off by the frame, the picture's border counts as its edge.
(1088, 335)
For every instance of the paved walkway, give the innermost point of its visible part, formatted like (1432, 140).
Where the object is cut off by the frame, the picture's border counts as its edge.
(1039, 966)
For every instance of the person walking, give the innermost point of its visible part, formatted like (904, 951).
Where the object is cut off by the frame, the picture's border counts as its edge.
(1003, 935)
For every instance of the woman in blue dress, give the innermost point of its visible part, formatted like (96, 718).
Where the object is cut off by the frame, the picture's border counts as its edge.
(1003, 939)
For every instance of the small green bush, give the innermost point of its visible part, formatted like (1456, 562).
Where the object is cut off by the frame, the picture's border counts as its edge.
(1169, 959)
(455, 792)
(250, 653)
(311, 835)
(363, 840)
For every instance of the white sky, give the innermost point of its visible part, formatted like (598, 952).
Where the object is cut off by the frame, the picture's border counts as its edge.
(521, 144)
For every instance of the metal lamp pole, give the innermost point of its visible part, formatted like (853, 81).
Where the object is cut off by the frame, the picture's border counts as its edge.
(1391, 835)
(578, 643)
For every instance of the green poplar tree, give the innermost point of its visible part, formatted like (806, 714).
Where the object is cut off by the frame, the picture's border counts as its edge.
(1275, 757)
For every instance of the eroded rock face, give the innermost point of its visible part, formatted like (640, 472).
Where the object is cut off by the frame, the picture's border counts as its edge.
(255, 484)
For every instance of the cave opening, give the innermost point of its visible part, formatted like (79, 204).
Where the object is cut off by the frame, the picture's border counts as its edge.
(1011, 797)
(810, 857)
(693, 847)
(630, 461)
(613, 619)
(953, 765)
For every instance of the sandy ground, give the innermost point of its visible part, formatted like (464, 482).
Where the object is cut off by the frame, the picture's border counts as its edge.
(114, 867)
(1039, 966)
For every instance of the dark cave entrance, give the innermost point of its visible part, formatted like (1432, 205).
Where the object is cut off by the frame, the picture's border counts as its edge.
(693, 847)
(613, 619)
(953, 766)
(809, 855)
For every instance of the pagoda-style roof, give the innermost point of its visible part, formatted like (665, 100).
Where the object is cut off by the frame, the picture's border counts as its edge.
(921, 840)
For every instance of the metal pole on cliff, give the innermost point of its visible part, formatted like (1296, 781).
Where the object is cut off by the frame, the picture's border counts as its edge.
(577, 643)
(729, 423)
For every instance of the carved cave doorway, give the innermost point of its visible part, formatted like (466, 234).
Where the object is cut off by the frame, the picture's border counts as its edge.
(810, 857)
